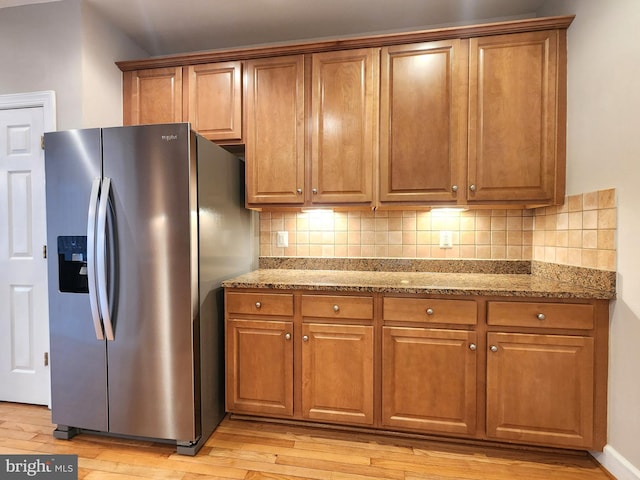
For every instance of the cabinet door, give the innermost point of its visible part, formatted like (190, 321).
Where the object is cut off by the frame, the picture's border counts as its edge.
(516, 116)
(275, 130)
(344, 111)
(337, 373)
(423, 122)
(259, 371)
(214, 100)
(540, 389)
(152, 96)
(429, 380)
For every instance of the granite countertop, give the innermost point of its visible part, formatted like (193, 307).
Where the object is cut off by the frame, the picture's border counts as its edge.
(441, 283)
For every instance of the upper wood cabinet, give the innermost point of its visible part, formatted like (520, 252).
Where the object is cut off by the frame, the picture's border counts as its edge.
(517, 118)
(213, 100)
(344, 111)
(423, 122)
(209, 96)
(152, 96)
(274, 151)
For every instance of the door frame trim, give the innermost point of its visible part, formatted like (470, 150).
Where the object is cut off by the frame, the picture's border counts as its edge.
(45, 99)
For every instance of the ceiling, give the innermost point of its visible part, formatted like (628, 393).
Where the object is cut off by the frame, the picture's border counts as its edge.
(164, 27)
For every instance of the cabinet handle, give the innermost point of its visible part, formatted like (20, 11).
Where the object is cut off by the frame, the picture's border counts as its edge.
(541, 316)
(454, 188)
(287, 336)
(258, 305)
(493, 348)
(472, 187)
(314, 191)
(305, 338)
(299, 191)
(336, 308)
(429, 311)
(473, 347)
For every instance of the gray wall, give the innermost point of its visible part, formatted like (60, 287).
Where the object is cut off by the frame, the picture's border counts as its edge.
(603, 151)
(68, 48)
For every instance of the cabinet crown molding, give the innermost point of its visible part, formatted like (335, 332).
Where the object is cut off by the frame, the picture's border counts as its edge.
(380, 40)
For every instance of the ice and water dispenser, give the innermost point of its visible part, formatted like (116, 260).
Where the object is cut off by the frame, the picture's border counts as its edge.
(72, 264)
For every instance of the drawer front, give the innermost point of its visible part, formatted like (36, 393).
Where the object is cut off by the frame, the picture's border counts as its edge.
(544, 315)
(337, 306)
(428, 310)
(260, 303)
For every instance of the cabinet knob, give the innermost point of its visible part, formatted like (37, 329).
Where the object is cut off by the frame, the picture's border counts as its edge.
(454, 188)
(472, 187)
(429, 311)
(314, 191)
(287, 336)
(336, 308)
(493, 348)
(541, 316)
(258, 305)
(473, 347)
(305, 338)
(299, 191)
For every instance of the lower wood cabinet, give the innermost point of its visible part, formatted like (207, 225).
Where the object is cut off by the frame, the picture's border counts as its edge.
(526, 371)
(337, 373)
(429, 379)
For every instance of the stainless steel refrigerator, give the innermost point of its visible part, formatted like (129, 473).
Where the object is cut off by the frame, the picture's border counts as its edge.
(143, 223)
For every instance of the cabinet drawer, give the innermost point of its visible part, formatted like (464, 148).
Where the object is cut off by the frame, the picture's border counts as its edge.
(544, 315)
(260, 303)
(337, 306)
(428, 310)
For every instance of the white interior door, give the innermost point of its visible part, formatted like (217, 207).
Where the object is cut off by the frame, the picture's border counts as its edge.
(24, 324)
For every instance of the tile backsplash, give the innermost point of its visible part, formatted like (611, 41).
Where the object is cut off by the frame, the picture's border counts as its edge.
(581, 232)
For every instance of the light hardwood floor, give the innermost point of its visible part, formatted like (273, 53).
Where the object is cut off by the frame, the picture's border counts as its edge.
(241, 449)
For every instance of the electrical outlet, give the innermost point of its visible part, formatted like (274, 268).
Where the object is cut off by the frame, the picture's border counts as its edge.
(282, 239)
(446, 239)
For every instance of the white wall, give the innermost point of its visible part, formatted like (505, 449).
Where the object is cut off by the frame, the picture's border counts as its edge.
(603, 150)
(68, 48)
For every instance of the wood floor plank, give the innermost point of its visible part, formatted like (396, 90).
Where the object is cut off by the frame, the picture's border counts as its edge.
(244, 449)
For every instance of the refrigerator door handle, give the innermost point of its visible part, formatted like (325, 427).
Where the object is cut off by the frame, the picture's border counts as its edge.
(101, 256)
(91, 258)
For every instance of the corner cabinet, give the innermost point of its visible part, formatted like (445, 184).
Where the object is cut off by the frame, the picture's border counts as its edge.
(209, 96)
(517, 117)
(519, 370)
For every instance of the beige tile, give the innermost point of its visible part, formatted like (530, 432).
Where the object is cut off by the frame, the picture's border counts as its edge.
(562, 238)
(381, 224)
(498, 223)
(483, 223)
(590, 201)
(467, 238)
(607, 198)
(483, 237)
(575, 257)
(368, 250)
(550, 239)
(265, 250)
(409, 237)
(423, 221)
(514, 223)
(409, 213)
(575, 220)
(575, 203)
(395, 251)
(514, 252)
(423, 251)
(265, 238)
(382, 250)
(562, 255)
(354, 223)
(302, 251)
(467, 251)
(514, 238)
(302, 222)
(607, 239)
(527, 223)
(341, 251)
(606, 260)
(302, 238)
(607, 218)
(527, 239)
(527, 253)
(367, 224)
(315, 237)
(589, 258)
(498, 237)
(549, 254)
(395, 223)
(290, 223)
(341, 222)
(538, 253)
(355, 238)
(353, 251)
(468, 223)
(452, 252)
(341, 238)
(483, 252)
(589, 239)
(590, 219)
(423, 237)
(538, 237)
(381, 213)
(395, 238)
(409, 251)
(395, 214)
(367, 238)
(575, 239)
(562, 221)
(498, 252)
(408, 223)
(381, 238)
(564, 208)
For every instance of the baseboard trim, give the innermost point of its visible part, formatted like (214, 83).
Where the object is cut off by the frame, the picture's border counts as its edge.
(616, 464)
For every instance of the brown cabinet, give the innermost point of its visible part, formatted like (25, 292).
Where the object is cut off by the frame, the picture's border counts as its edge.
(517, 97)
(423, 122)
(506, 369)
(275, 159)
(152, 96)
(540, 389)
(213, 100)
(259, 353)
(209, 96)
(429, 380)
(344, 111)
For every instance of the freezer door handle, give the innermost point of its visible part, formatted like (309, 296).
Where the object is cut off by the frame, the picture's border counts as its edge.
(101, 257)
(91, 258)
